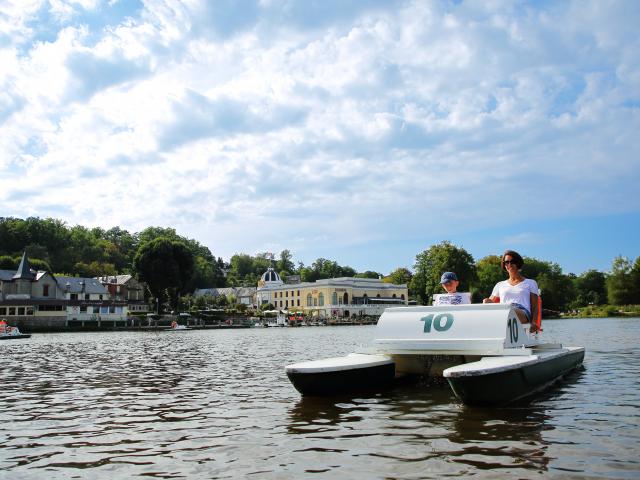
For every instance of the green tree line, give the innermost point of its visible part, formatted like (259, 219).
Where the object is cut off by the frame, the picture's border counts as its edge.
(79, 251)
(173, 265)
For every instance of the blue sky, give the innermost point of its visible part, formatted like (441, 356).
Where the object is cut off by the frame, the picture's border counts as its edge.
(358, 131)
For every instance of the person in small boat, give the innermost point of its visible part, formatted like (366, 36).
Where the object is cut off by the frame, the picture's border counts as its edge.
(450, 282)
(517, 290)
(174, 324)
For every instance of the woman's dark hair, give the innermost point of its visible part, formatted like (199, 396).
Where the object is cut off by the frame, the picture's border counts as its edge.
(515, 256)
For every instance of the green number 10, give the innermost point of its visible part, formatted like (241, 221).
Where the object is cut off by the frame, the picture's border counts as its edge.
(437, 322)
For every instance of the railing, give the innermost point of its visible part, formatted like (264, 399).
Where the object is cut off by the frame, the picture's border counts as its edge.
(104, 317)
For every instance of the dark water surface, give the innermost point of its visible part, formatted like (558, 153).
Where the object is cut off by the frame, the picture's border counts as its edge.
(217, 404)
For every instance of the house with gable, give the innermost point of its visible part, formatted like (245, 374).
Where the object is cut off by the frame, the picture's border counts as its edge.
(128, 289)
(38, 300)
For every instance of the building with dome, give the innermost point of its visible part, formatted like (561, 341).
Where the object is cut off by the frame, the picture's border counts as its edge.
(331, 297)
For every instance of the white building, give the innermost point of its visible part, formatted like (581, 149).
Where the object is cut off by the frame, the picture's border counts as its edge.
(332, 297)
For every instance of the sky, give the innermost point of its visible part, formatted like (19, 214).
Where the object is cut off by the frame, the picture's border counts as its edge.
(360, 131)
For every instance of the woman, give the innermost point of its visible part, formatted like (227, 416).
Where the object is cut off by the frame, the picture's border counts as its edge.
(521, 292)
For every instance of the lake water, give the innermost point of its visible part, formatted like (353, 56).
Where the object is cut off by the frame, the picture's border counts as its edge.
(217, 404)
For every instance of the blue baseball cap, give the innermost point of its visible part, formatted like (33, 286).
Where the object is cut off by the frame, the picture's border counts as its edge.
(447, 277)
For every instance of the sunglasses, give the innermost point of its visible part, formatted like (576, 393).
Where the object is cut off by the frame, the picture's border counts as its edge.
(507, 262)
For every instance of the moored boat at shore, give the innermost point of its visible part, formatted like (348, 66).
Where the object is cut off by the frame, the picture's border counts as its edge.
(11, 333)
(176, 327)
(487, 356)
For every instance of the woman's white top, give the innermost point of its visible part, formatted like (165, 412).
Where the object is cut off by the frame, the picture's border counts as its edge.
(518, 293)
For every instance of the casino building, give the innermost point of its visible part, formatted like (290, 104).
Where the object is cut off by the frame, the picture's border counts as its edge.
(332, 297)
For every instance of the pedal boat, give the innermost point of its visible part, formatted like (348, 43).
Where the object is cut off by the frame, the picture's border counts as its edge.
(486, 355)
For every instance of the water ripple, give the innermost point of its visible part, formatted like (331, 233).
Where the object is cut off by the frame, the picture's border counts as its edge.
(217, 404)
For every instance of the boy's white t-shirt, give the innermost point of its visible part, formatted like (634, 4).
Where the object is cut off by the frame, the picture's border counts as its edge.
(457, 298)
(516, 293)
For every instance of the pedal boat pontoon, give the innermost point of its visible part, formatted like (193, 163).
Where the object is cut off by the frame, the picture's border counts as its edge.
(487, 356)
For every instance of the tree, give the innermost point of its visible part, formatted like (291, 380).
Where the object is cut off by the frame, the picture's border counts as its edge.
(556, 290)
(94, 269)
(125, 246)
(285, 263)
(240, 267)
(590, 288)
(489, 273)
(440, 258)
(166, 266)
(635, 281)
(620, 285)
(368, 274)
(400, 276)
(7, 262)
(555, 287)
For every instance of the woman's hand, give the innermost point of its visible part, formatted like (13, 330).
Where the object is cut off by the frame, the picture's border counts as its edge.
(487, 300)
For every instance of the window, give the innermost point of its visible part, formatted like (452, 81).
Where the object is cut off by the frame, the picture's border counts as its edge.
(321, 299)
(20, 310)
(286, 303)
(45, 290)
(3, 310)
(287, 295)
(50, 308)
(298, 302)
(309, 300)
(73, 296)
(29, 310)
(334, 298)
(298, 292)
(104, 309)
(87, 296)
(12, 310)
(83, 308)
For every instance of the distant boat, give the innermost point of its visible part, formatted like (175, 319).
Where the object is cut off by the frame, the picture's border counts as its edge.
(10, 333)
(176, 327)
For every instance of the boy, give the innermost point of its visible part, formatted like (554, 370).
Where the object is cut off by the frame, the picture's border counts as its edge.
(449, 282)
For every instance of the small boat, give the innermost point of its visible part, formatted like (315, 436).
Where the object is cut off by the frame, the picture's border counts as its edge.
(176, 327)
(486, 355)
(11, 333)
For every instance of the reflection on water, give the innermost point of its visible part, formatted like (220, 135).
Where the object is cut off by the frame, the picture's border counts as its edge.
(217, 404)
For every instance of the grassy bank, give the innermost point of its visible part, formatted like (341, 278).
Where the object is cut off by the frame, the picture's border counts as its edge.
(604, 311)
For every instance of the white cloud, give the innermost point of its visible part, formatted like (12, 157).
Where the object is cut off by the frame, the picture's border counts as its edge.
(259, 125)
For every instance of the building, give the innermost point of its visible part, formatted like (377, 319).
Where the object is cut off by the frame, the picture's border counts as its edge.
(332, 297)
(243, 295)
(41, 301)
(126, 288)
